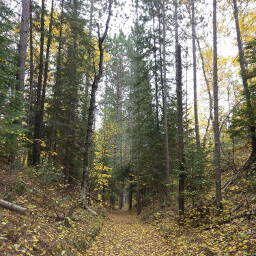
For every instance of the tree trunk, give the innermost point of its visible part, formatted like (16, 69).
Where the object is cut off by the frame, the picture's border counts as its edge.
(245, 83)
(195, 76)
(87, 82)
(138, 194)
(180, 132)
(96, 80)
(130, 193)
(121, 199)
(158, 136)
(168, 199)
(37, 130)
(216, 109)
(12, 207)
(209, 92)
(42, 101)
(31, 84)
(23, 45)
(56, 92)
(69, 130)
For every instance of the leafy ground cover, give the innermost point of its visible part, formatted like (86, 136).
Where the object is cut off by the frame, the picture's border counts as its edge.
(44, 231)
(126, 234)
(39, 232)
(238, 238)
(204, 231)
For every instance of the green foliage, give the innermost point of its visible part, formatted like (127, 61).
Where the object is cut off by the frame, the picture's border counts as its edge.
(197, 177)
(250, 54)
(10, 111)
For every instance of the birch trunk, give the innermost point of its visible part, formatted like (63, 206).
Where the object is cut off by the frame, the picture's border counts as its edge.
(12, 207)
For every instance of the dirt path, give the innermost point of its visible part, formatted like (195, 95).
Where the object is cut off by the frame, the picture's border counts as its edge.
(125, 234)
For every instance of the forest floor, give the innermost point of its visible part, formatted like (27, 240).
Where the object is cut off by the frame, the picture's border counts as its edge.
(155, 232)
(44, 229)
(126, 234)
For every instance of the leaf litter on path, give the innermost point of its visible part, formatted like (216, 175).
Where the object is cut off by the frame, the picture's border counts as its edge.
(125, 234)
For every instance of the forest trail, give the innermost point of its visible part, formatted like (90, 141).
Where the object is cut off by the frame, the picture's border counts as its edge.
(125, 234)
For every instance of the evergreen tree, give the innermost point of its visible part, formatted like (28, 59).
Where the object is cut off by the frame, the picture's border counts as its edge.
(10, 109)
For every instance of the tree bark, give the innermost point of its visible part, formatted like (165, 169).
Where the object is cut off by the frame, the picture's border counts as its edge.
(195, 76)
(216, 110)
(12, 207)
(208, 90)
(56, 92)
(87, 82)
(31, 83)
(37, 130)
(130, 193)
(168, 199)
(23, 45)
(96, 80)
(180, 132)
(46, 66)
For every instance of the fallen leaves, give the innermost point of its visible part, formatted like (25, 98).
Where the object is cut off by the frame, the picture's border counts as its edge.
(126, 234)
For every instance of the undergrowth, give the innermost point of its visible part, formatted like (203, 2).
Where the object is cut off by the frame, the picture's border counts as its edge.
(39, 232)
(204, 231)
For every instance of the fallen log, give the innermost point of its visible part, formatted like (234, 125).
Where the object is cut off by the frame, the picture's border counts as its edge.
(242, 215)
(12, 207)
(237, 175)
(247, 215)
(90, 210)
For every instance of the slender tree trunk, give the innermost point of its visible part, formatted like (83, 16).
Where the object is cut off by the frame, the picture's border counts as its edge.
(178, 63)
(121, 199)
(158, 136)
(130, 193)
(195, 76)
(37, 131)
(209, 93)
(216, 109)
(245, 83)
(69, 131)
(117, 122)
(57, 84)
(161, 200)
(180, 131)
(87, 82)
(96, 80)
(186, 103)
(46, 66)
(155, 76)
(139, 209)
(23, 45)
(31, 83)
(168, 200)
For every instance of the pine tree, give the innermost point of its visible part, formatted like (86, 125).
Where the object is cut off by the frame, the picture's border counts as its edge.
(10, 109)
